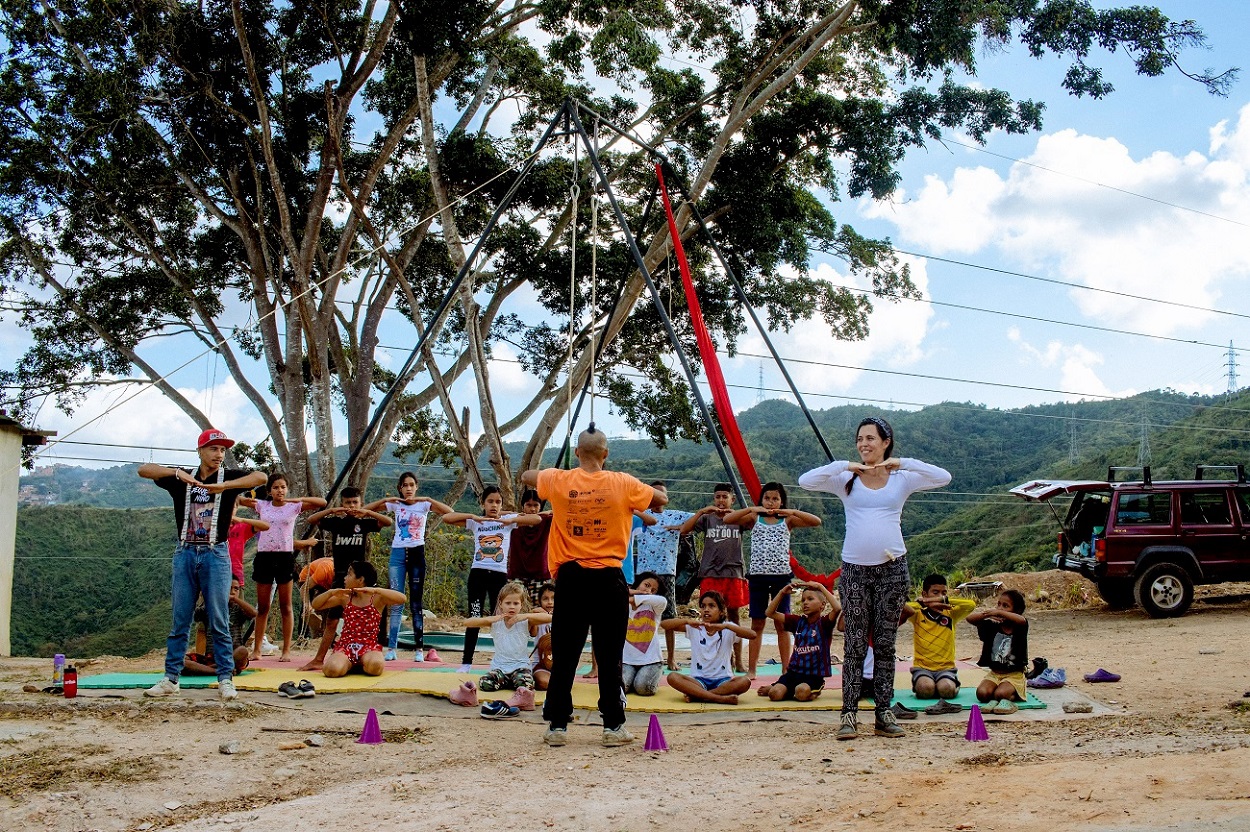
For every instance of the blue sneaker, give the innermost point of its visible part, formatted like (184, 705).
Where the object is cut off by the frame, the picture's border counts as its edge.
(498, 709)
(389, 656)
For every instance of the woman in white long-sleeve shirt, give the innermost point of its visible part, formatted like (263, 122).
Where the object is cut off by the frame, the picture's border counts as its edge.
(874, 581)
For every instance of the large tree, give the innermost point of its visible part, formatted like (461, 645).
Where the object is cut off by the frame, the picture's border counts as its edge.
(165, 163)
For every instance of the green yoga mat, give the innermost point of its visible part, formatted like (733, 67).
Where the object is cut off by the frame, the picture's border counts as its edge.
(119, 681)
(967, 697)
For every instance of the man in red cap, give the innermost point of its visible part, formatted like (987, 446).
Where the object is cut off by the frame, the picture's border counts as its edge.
(203, 502)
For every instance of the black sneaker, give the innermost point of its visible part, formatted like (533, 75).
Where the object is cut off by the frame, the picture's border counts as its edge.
(1039, 664)
(901, 711)
(498, 709)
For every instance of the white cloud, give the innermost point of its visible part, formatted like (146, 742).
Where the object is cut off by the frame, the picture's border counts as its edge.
(148, 420)
(896, 337)
(1076, 365)
(1084, 228)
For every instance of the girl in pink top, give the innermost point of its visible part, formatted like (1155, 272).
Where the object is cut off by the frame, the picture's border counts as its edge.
(275, 556)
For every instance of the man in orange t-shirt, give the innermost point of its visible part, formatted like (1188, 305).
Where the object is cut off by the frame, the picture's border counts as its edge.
(592, 515)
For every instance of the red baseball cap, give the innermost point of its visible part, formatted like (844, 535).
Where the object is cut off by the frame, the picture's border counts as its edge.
(212, 436)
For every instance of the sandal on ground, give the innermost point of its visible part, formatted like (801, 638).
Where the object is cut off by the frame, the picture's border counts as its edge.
(943, 707)
(1101, 675)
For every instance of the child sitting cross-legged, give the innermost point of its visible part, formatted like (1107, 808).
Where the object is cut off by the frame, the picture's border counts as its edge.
(362, 604)
(934, 615)
(712, 639)
(804, 677)
(1004, 635)
(510, 667)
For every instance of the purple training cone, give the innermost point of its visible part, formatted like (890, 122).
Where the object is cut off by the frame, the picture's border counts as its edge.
(976, 726)
(655, 736)
(372, 733)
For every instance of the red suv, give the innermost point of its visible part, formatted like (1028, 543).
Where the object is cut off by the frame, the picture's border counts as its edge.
(1151, 542)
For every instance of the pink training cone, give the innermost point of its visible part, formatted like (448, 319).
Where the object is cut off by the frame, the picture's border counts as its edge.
(655, 736)
(976, 726)
(372, 733)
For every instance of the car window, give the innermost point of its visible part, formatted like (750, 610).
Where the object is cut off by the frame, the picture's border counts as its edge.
(1205, 508)
(1152, 509)
(1243, 500)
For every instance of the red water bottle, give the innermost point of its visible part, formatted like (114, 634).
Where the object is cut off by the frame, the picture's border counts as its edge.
(71, 682)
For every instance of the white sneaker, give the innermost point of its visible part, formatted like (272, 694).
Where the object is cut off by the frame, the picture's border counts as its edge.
(465, 668)
(226, 691)
(418, 656)
(389, 655)
(267, 647)
(163, 688)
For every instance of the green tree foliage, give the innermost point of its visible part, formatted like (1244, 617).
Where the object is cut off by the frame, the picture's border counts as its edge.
(91, 581)
(170, 167)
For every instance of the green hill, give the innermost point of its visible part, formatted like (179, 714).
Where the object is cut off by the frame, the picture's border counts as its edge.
(96, 580)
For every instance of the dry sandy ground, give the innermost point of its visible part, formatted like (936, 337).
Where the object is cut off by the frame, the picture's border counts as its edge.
(1167, 748)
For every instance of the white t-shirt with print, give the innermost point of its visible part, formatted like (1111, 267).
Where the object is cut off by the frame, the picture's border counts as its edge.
(409, 523)
(491, 540)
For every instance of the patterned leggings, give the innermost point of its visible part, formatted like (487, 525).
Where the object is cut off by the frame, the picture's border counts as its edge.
(872, 598)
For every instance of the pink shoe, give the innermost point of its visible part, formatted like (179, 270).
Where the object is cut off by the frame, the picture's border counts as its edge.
(465, 695)
(523, 699)
(432, 655)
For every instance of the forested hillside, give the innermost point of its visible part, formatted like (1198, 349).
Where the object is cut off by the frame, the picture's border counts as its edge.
(95, 580)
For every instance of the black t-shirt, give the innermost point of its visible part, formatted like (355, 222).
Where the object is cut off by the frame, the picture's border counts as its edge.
(1003, 652)
(202, 502)
(349, 538)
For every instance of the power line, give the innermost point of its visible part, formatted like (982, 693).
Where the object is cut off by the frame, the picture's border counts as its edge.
(1098, 184)
(1065, 283)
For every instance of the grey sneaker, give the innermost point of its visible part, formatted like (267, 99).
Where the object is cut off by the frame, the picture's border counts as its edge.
(556, 737)
(614, 737)
(849, 729)
(887, 726)
(942, 707)
(163, 688)
(226, 691)
(901, 711)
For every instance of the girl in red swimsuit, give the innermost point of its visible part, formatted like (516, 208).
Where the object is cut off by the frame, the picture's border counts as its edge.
(362, 604)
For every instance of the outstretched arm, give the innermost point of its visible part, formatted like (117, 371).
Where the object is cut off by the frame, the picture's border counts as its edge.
(458, 518)
(796, 519)
(530, 477)
(772, 612)
(305, 503)
(437, 506)
(256, 523)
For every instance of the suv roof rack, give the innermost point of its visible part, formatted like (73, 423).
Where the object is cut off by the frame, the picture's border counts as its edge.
(1145, 472)
(1238, 468)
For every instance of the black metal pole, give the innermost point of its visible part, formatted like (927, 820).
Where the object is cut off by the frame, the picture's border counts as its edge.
(742, 296)
(562, 459)
(448, 298)
(640, 262)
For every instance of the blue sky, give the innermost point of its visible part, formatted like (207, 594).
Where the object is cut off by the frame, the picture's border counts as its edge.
(1089, 201)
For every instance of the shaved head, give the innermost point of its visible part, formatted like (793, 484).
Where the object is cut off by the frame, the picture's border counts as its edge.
(593, 442)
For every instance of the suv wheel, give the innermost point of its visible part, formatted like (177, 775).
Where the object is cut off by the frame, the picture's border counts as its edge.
(1164, 590)
(1117, 592)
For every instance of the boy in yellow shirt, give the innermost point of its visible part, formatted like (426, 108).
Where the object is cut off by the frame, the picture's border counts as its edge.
(933, 616)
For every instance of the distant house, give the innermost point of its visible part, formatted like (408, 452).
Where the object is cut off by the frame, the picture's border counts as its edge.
(13, 437)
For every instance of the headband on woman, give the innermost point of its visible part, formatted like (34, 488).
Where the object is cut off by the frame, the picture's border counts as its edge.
(882, 425)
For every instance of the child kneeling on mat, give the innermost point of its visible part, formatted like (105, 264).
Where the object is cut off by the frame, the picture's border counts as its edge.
(641, 662)
(712, 640)
(804, 678)
(510, 667)
(1004, 635)
(362, 602)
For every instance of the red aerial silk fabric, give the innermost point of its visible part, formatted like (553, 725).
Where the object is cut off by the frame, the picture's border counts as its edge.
(707, 350)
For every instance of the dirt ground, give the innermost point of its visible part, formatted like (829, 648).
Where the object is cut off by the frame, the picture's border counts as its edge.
(1166, 748)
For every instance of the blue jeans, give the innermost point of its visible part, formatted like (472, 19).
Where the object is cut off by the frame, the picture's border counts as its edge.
(200, 569)
(410, 562)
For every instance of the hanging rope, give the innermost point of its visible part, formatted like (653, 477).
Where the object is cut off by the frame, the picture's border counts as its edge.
(574, 192)
(594, 279)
